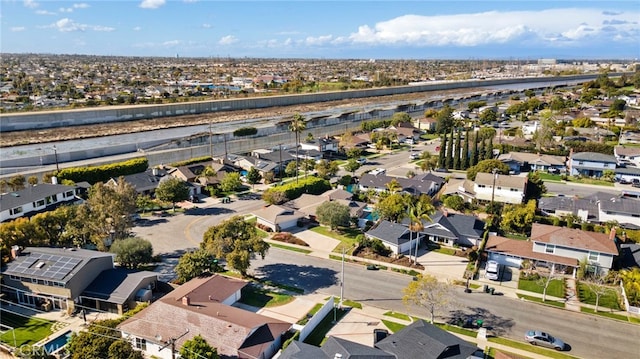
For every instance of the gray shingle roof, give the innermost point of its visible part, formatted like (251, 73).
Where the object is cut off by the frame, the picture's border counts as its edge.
(116, 285)
(593, 157)
(621, 205)
(457, 225)
(31, 194)
(386, 231)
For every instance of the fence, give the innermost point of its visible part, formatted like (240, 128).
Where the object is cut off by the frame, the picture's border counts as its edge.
(316, 319)
(630, 309)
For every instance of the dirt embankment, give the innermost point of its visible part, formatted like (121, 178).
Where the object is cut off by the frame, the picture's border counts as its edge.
(16, 138)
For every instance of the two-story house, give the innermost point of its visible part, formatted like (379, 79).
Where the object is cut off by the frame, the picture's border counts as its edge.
(557, 246)
(501, 188)
(324, 144)
(590, 164)
(34, 199)
(627, 155)
(426, 183)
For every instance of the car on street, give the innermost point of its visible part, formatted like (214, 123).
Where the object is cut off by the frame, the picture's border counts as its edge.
(362, 160)
(536, 337)
(492, 270)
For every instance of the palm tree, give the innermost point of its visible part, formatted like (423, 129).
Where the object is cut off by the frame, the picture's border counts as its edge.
(296, 126)
(418, 212)
(393, 186)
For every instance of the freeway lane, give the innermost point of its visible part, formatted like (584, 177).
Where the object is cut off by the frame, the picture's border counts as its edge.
(588, 336)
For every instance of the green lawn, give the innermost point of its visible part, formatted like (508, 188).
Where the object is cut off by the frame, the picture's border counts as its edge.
(445, 250)
(318, 335)
(393, 326)
(591, 181)
(310, 314)
(294, 249)
(455, 329)
(555, 303)
(347, 236)
(28, 330)
(549, 177)
(555, 289)
(261, 298)
(398, 315)
(530, 348)
(607, 314)
(607, 300)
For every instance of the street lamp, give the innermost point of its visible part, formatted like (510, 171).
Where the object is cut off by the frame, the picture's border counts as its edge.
(55, 153)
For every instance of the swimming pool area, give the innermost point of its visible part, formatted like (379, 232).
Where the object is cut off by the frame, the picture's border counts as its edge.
(57, 343)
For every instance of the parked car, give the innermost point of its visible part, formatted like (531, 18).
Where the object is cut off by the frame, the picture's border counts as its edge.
(372, 267)
(362, 160)
(414, 155)
(536, 337)
(492, 270)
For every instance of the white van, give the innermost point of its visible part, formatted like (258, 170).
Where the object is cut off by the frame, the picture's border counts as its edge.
(492, 270)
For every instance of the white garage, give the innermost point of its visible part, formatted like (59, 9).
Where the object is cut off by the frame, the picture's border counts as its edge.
(505, 259)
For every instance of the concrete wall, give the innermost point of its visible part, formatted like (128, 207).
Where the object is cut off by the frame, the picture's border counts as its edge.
(65, 118)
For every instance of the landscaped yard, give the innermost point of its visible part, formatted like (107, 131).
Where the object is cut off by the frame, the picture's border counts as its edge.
(609, 299)
(28, 330)
(260, 298)
(347, 236)
(555, 289)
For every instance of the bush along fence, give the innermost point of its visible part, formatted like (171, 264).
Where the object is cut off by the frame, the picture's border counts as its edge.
(105, 172)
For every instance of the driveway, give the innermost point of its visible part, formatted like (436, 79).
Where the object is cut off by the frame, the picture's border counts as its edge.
(317, 241)
(443, 265)
(509, 278)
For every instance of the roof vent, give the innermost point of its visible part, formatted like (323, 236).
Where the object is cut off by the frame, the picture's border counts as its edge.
(40, 265)
(186, 301)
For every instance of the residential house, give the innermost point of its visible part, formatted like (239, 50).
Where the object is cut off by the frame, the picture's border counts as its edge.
(590, 164)
(308, 203)
(278, 218)
(630, 137)
(452, 229)
(324, 144)
(585, 208)
(144, 182)
(262, 166)
(405, 132)
(525, 162)
(625, 211)
(427, 123)
(556, 245)
(501, 188)
(426, 183)
(35, 199)
(626, 155)
(530, 127)
(396, 236)
(629, 174)
(58, 278)
(203, 306)
(460, 187)
(419, 339)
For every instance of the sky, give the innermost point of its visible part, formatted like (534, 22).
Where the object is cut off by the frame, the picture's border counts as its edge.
(347, 29)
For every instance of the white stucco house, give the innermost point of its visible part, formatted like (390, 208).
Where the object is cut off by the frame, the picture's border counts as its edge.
(508, 189)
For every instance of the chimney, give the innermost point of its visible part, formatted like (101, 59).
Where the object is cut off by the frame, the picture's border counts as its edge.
(15, 252)
(445, 213)
(612, 234)
(186, 301)
(54, 180)
(154, 171)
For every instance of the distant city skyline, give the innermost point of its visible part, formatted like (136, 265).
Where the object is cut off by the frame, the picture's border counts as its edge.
(462, 30)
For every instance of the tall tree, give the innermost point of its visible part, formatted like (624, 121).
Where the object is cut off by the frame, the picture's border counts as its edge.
(351, 166)
(235, 240)
(253, 176)
(427, 292)
(441, 154)
(172, 190)
(489, 151)
(231, 182)
(196, 263)
(296, 126)
(474, 155)
(417, 212)
(132, 252)
(481, 151)
(465, 151)
(457, 162)
(393, 207)
(17, 182)
(449, 162)
(444, 120)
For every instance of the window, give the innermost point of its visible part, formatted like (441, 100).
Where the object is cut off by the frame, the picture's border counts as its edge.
(593, 256)
(15, 211)
(69, 194)
(140, 344)
(550, 248)
(580, 163)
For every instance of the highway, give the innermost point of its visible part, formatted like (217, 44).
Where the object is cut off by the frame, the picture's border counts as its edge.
(588, 336)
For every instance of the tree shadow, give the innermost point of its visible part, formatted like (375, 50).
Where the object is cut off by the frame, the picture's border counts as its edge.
(469, 318)
(309, 278)
(148, 222)
(210, 211)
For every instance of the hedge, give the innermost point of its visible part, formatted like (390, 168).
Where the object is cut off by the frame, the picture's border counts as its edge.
(190, 161)
(245, 131)
(293, 190)
(103, 173)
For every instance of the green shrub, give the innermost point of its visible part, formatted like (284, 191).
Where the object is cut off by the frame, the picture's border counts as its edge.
(245, 131)
(293, 190)
(103, 173)
(190, 161)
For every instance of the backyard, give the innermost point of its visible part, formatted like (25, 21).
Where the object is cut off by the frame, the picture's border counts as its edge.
(28, 330)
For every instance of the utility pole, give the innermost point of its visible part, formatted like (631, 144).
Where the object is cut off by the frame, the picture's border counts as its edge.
(493, 189)
(280, 163)
(172, 342)
(342, 280)
(211, 141)
(55, 153)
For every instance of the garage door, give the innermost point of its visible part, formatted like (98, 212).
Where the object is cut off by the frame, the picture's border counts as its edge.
(506, 260)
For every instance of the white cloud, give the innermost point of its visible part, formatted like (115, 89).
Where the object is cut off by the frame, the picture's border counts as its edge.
(227, 40)
(206, 26)
(137, 28)
(45, 12)
(495, 27)
(31, 4)
(17, 28)
(318, 40)
(171, 43)
(152, 4)
(68, 25)
(68, 9)
(81, 6)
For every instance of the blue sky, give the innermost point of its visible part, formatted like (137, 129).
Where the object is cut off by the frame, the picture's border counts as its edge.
(499, 29)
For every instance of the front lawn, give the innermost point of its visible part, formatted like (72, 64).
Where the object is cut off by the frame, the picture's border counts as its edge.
(555, 289)
(555, 303)
(28, 330)
(548, 353)
(347, 237)
(609, 299)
